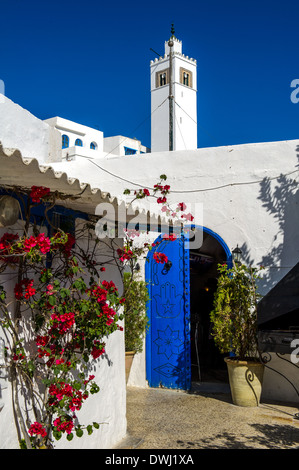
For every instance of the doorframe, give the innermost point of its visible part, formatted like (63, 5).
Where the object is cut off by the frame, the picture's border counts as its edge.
(148, 270)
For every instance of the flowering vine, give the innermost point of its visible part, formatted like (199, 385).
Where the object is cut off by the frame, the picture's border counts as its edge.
(64, 310)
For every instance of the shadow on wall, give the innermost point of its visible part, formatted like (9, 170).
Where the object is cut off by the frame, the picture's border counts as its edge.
(280, 198)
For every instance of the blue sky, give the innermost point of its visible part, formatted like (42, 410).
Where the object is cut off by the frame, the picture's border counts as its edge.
(89, 62)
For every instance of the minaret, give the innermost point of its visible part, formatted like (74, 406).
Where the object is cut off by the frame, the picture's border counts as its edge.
(173, 99)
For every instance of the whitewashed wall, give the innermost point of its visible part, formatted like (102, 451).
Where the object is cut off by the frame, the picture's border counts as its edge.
(76, 131)
(19, 129)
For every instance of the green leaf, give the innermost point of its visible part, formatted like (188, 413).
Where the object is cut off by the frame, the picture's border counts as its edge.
(57, 435)
(96, 425)
(77, 385)
(79, 432)
(89, 429)
(52, 300)
(70, 436)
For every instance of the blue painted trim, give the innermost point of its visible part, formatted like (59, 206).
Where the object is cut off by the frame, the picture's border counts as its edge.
(229, 258)
(149, 260)
(65, 141)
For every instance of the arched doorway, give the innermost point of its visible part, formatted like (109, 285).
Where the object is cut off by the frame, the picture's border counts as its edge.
(178, 350)
(207, 364)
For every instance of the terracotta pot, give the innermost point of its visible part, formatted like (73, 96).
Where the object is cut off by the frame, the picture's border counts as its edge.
(245, 380)
(129, 359)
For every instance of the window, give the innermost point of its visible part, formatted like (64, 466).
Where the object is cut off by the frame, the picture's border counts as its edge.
(162, 78)
(65, 141)
(186, 77)
(93, 145)
(79, 143)
(129, 151)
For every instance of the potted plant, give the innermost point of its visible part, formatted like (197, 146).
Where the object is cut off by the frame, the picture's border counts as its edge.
(234, 328)
(136, 320)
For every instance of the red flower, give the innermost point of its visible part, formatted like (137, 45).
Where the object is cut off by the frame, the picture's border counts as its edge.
(125, 254)
(42, 340)
(62, 322)
(64, 425)
(98, 349)
(24, 289)
(69, 244)
(37, 428)
(6, 241)
(170, 237)
(161, 200)
(37, 192)
(146, 192)
(41, 241)
(160, 258)
(182, 206)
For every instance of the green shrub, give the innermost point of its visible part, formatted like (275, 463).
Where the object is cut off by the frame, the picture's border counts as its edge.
(136, 320)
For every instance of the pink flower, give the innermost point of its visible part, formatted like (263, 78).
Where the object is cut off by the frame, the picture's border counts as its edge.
(188, 217)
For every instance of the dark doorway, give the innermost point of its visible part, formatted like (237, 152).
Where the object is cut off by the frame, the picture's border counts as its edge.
(207, 364)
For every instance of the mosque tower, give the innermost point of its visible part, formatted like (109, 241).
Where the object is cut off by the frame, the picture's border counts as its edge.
(173, 99)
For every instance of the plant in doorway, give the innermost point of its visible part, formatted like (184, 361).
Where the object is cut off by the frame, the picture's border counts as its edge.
(136, 320)
(234, 328)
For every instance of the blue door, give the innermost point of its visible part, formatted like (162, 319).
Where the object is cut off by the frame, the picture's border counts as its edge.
(168, 358)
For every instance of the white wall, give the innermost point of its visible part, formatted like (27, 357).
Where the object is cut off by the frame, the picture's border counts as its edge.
(116, 145)
(21, 130)
(78, 131)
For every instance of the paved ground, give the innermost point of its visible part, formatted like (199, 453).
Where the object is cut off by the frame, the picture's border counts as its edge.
(166, 419)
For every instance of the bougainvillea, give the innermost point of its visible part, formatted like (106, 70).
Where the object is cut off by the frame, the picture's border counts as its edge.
(64, 311)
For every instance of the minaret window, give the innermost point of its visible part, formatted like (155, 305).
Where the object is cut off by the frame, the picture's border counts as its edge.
(162, 78)
(79, 143)
(186, 77)
(93, 145)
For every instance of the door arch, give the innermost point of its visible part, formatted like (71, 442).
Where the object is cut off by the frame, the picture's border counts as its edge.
(168, 340)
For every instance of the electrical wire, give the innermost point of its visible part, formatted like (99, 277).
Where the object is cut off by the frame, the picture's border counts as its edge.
(181, 191)
(194, 190)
